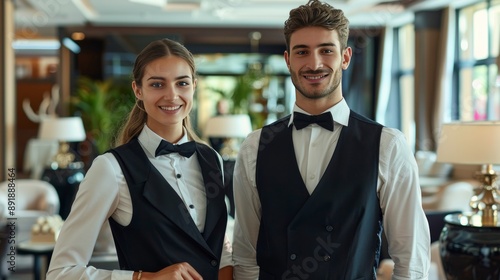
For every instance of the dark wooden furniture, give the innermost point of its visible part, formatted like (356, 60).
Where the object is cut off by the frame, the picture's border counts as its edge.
(468, 250)
(66, 182)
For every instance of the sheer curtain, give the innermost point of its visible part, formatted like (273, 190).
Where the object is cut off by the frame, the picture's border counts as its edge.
(384, 76)
(358, 81)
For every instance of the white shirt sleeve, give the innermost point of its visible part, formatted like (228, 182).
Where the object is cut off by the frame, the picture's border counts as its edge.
(247, 211)
(405, 223)
(102, 194)
(227, 250)
(97, 199)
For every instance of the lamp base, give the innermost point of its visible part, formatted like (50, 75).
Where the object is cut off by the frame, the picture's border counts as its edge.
(229, 149)
(486, 202)
(64, 157)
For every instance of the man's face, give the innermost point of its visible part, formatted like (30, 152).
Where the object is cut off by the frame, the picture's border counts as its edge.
(316, 62)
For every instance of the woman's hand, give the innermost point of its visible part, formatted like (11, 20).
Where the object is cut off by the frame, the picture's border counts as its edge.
(178, 271)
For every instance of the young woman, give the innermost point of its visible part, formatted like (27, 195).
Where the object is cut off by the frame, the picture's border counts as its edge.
(160, 188)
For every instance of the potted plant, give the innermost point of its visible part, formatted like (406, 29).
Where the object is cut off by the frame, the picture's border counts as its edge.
(103, 106)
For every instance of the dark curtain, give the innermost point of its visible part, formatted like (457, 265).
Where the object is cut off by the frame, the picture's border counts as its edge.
(358, 81)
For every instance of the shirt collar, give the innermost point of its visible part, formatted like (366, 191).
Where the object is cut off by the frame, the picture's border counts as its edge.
(150, 140)
(340, 112)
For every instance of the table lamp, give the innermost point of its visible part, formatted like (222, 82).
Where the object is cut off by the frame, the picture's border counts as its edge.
(230, 127)
(476, 143)
(64, 130)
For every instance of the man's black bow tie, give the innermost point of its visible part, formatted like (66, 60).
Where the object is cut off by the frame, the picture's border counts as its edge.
(186, 149)
(302, 120)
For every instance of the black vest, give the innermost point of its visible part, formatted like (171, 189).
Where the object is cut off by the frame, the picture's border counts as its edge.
(162, 232)
(334, 233)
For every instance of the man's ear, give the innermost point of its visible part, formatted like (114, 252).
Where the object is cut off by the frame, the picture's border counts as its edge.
(287, 59)
(346, 57)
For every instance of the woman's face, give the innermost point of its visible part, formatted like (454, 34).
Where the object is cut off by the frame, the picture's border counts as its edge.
(167, 93)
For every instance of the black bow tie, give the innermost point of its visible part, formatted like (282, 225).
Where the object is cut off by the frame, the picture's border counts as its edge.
(302, 120)
(187, 149)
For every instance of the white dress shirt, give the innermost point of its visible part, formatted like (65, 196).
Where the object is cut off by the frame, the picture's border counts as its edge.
(104, 193)
(404, 221)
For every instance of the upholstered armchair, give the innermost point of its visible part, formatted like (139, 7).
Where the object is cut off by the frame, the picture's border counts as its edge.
(33, 199)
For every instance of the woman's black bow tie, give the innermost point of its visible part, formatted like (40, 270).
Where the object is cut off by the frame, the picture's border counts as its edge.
(186, 149)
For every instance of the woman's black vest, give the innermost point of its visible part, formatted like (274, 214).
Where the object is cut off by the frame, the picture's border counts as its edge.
(162, 232)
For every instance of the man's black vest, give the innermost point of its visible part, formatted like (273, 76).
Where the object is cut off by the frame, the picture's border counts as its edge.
(162, 232)
(334, 233)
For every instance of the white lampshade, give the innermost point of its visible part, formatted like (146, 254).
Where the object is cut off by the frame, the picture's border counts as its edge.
(228, 126)
(470, 143)
(68, 129)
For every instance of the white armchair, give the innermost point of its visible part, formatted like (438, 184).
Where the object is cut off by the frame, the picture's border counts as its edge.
(33, 199)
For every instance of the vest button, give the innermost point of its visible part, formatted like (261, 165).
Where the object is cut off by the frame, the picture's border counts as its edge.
(178, 175)
(326, 258)
(213, 263)
(293, 257)
(329, 228)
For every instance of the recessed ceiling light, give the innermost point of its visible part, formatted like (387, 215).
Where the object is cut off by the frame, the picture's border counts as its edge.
(159, 3)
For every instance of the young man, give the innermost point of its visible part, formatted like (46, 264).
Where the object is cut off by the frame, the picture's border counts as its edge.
(311, 200)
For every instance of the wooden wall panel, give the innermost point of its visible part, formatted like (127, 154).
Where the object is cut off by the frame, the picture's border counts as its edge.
(33, 90)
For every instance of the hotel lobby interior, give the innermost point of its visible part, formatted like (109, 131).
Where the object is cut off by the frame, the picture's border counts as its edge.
(429, 68)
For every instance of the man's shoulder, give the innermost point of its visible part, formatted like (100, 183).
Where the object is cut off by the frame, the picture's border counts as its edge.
(284, 120)
(364, 119)
(392, 138)
(253, 138)
(392, 133)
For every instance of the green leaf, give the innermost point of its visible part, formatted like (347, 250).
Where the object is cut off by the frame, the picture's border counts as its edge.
(103, 105)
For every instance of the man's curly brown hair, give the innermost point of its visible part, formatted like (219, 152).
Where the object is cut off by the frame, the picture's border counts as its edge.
(317, 13)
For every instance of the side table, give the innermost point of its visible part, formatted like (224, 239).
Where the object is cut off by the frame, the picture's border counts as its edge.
(38, 251)
(66, 182)
(469, 251)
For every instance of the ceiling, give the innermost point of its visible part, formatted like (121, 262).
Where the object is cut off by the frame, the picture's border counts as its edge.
(226, 26)
(220, 23)
(199, 13)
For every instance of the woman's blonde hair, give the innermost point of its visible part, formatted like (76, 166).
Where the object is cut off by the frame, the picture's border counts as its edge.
(138, 116)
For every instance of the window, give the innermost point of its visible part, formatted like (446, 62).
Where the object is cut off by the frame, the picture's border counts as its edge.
(405, 77)
(477, 76)
(400, 109)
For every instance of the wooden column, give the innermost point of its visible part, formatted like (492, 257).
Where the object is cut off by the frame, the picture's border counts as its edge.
(7, 89)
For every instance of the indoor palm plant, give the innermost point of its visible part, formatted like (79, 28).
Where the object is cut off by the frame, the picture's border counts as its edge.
(103, 106)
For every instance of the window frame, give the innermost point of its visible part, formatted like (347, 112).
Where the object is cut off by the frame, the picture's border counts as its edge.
(460, 94)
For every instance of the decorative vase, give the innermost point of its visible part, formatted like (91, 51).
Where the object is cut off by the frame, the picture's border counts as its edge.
(469, 250)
